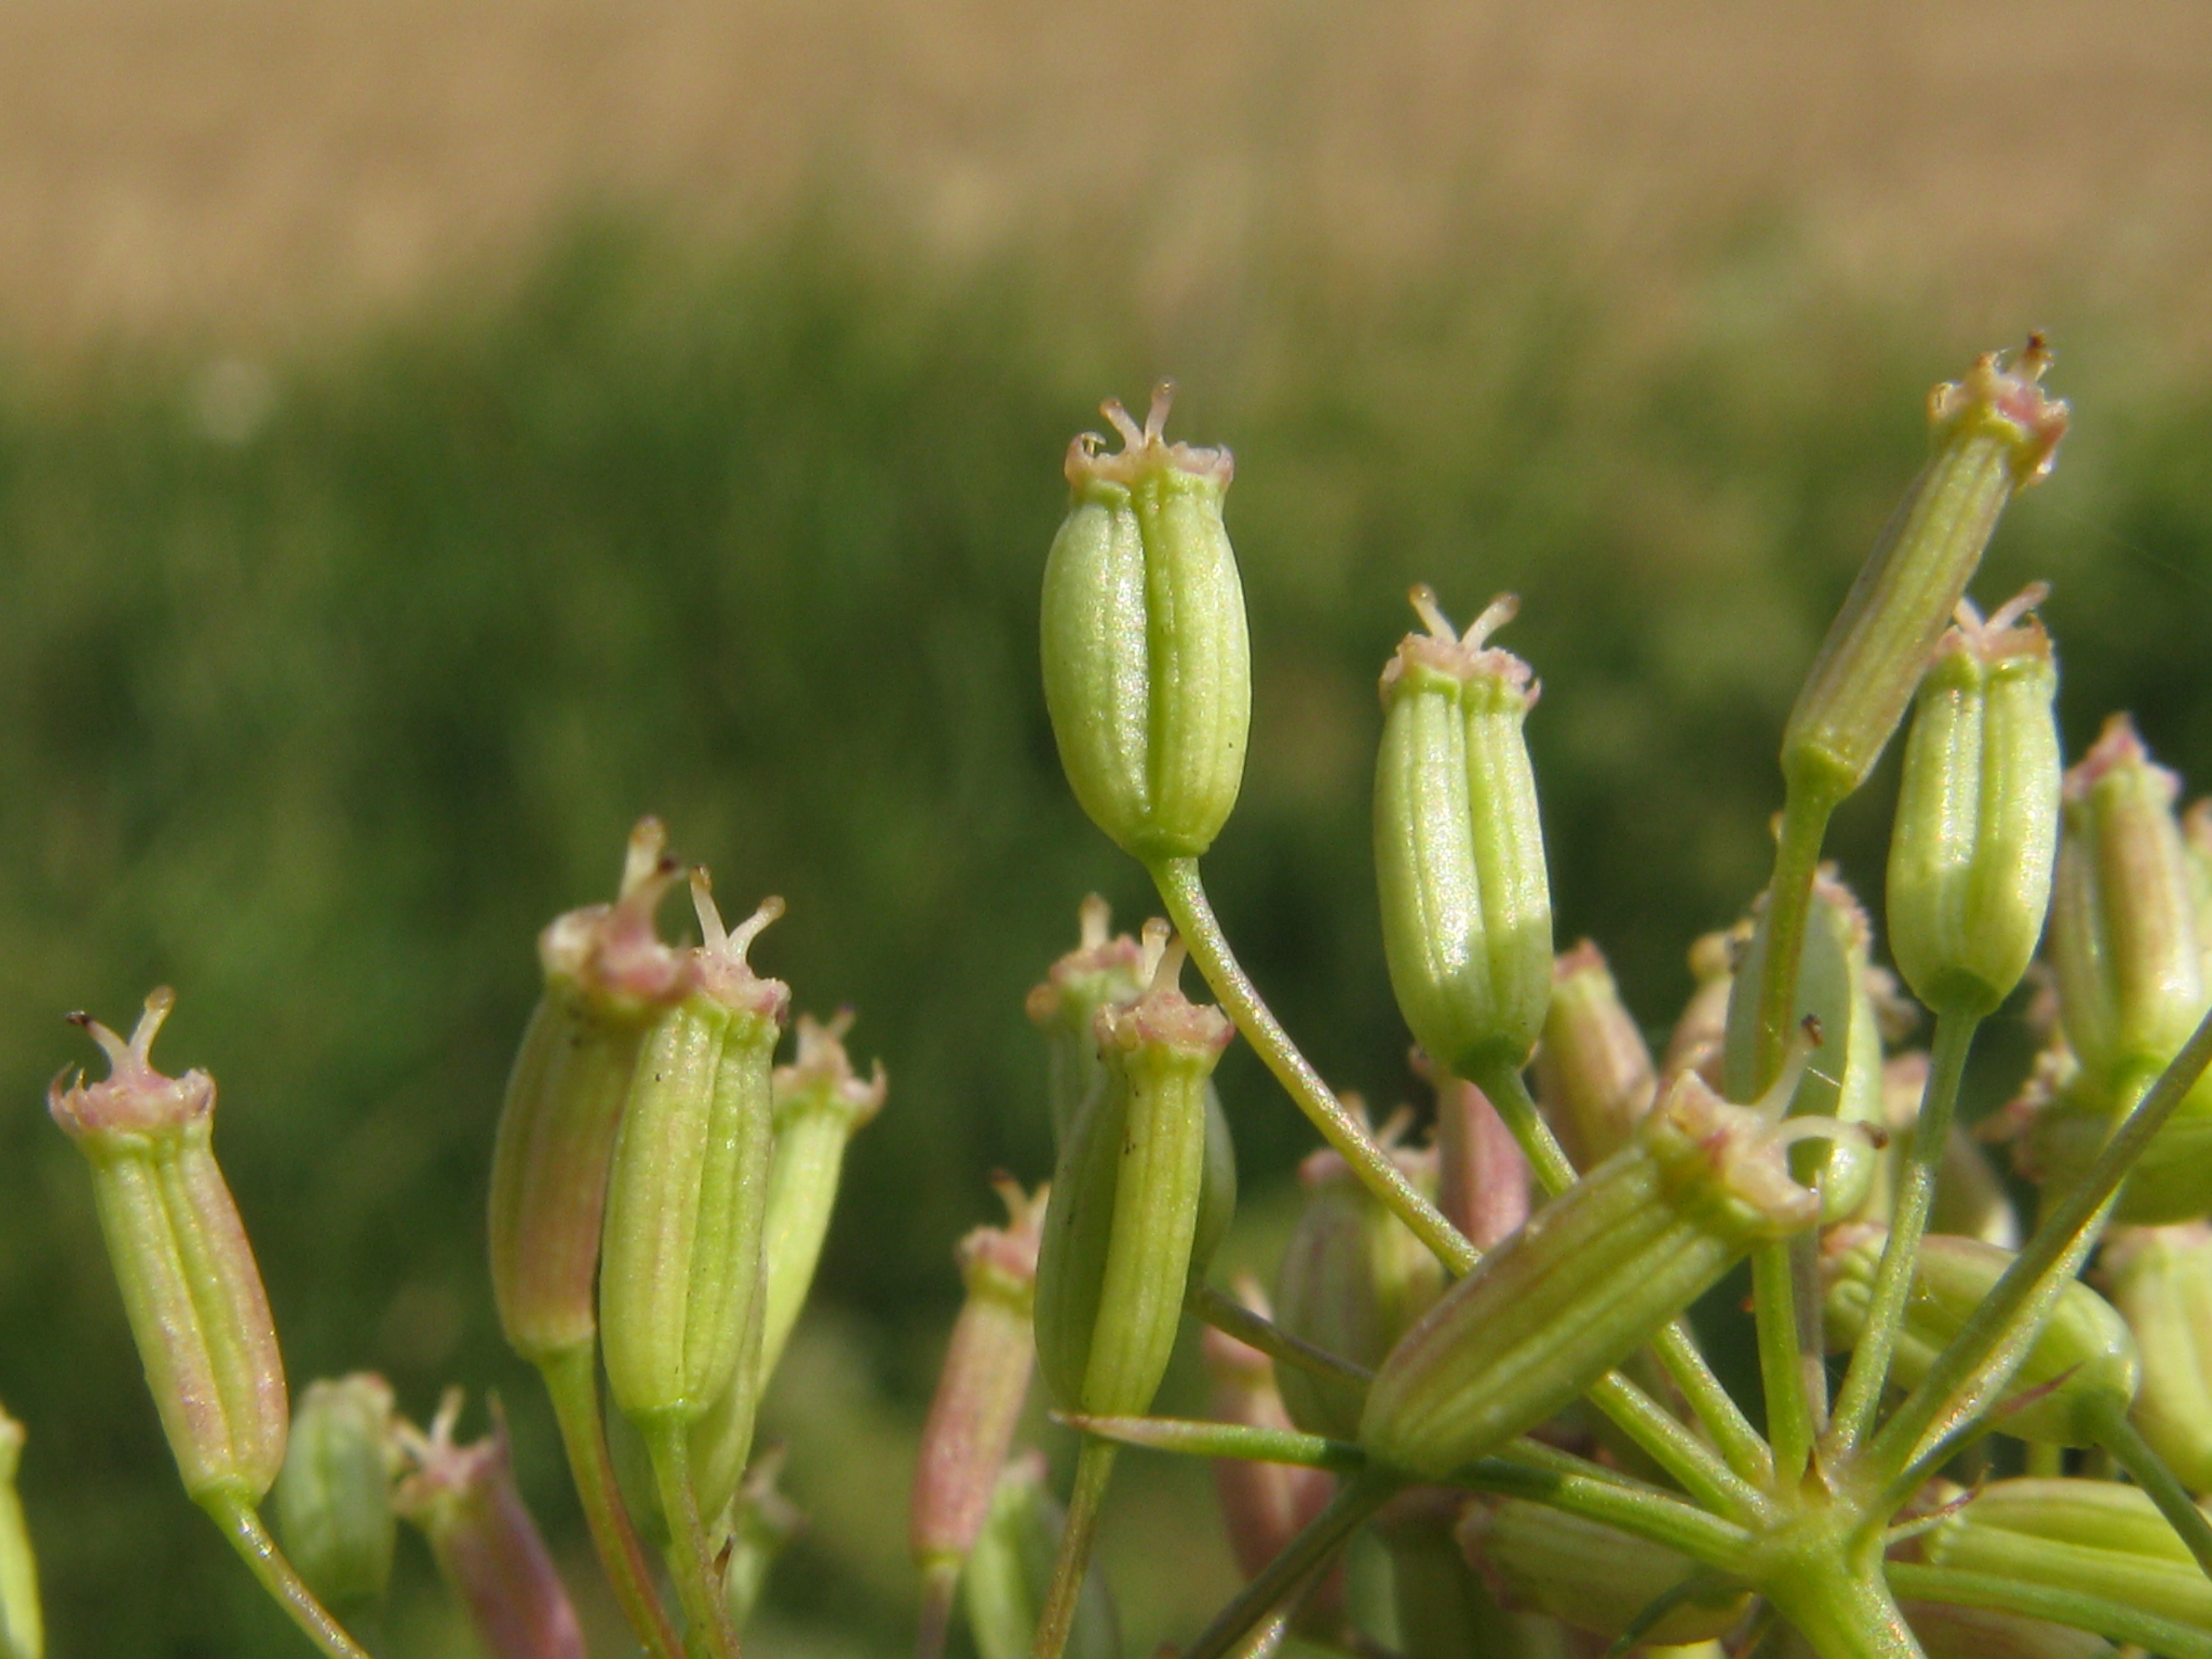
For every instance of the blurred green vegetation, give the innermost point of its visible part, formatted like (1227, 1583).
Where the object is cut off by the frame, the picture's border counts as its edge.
(325, 681)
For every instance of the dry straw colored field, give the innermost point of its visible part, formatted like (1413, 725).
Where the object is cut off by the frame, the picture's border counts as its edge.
(243, 168)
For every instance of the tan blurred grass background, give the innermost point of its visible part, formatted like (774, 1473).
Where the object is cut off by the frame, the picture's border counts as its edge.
(260, 169)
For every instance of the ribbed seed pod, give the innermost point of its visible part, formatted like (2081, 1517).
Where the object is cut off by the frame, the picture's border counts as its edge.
(1104, 969)
(1594, 1073)
(333, 1497)
(608, 978)
(2080, 1374)
(1147, 666)
(1593, 1577)
(820, 1104)
(1125, 1199)
(1459, 848)
(1948, 1633)
(680, 1281)
(1353, 1279)
(1446, 1610)
(1010, 1573)
(2160, 1281)
(1992, 433)
(2095, 1536)
(190, 1284)
(1970, 863)
(980, 1390)
(489, 1549)
(22, 1626)
(1836, 990)
(2124, 944)
(1591, 1276)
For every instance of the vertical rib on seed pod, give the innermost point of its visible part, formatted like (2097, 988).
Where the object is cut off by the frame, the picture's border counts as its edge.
(1459, 850)
(1970, 863)
(1594, 1073)
(1147, 670)
(1592, 1276)
(1992, 433)
(820, 1104)
(488, 1547)
(189, 1281)
(1103, 969)
(978, 1404)
(334, 1495)
(22, 1626)
(680, 1268)
(607, 979)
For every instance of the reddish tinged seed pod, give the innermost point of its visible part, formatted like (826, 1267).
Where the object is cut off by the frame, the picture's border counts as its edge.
(608, 978)
(190, 1284)
(1586, 1574)
(680, 1267)
(1992, 432)
(1147, 666)
(1700, 1036)
(1116, 1258)
(1353, 1279)
(1970, 864)
(1264, 1505)
(2160, 1280)
(1592, 1276)
(1482, 1174)
(980, 1392)
(1459, 848)
(489, 1549)
(1948, 1633)
(2080, 1374)
(1594, 1073)
(334, 1496)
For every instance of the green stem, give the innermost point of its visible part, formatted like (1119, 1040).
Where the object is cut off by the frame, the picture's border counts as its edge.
(1643, 1511)
(1843, 1612)
(2116, 1621)
(573, 1382)
(2119, 1437)
(1184, 894)
(1354, 1502)
(1877, 1345)
(2015, 1308)
(1226, 1314)
(1094, 1468)
(691, 1556)
(1675, 1449)
(1745, 1453)
(1789, 1403)
(1197, 1437)
(241, 1525)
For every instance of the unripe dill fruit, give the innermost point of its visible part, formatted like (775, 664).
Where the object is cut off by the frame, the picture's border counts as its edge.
(1147, 665)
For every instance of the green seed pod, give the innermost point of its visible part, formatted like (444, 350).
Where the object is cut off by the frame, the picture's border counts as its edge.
(982, 1388)
(1104, 970)
(1459, 850)
(2080, 1374)
(1126, 1199)
(2098, 1537)
(608, 978)
(1147, 667)
(2124, 940)
(1353, 1279)
(1700, 1035)
(1836, 988)
(2160, 1281)
(2064, 1132)
(1594, 1073)
(680, 1267)
(22, 1627)
(1592, 1276)
(1593, 1577)
(334, 1496)
(1948, 1633)
(1446, 1610)
(1992, 433)
(190, 1284)
(1010, 1574)
(762, 1523)
(2196, 841)
(1977, 812)
(489, 1549)
(820, 1104)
